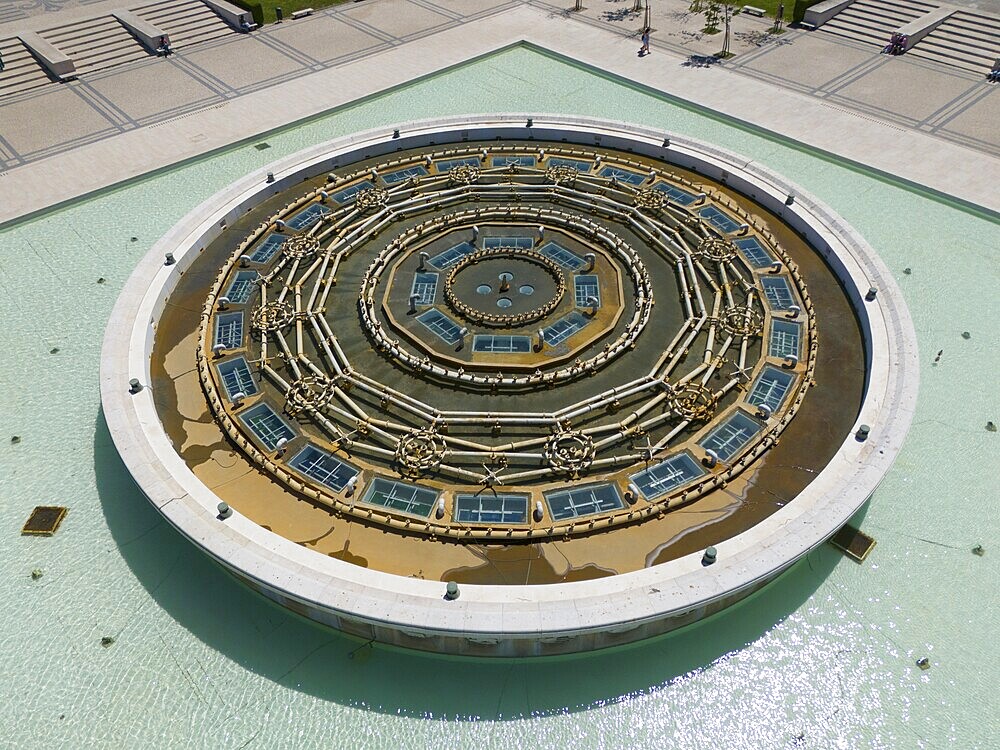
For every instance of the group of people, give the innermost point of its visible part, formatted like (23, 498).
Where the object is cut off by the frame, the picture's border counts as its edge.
(897, 45)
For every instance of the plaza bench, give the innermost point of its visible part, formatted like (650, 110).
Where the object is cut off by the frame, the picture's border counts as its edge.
(751, 10)
(297, 14)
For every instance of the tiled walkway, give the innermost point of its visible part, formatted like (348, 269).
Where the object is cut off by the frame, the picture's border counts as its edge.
(120, 99)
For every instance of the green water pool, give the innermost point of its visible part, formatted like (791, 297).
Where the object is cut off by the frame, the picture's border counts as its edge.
(824, 657)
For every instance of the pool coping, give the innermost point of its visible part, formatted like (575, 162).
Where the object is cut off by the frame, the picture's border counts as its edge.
(514, 620)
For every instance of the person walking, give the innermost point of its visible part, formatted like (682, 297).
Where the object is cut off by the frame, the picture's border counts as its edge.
(644, 49)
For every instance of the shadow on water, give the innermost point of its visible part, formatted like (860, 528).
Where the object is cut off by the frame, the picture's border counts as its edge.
(295, 653)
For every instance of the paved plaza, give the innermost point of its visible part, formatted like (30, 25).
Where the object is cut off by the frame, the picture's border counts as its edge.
(356, 49)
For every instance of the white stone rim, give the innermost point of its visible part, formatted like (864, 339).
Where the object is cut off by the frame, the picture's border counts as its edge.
(615, 603)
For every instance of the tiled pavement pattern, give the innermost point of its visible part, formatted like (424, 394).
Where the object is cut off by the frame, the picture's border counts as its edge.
(13, 10)
(947, 103)
(906, 91)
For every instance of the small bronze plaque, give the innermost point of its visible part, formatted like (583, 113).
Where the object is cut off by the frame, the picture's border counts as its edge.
(44, 520)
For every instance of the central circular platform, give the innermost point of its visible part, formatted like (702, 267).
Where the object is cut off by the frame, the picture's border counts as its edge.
(506, 356)
(525, 286)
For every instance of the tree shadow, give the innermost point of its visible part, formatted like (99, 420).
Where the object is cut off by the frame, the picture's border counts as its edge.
(701, 61)
(300, 655)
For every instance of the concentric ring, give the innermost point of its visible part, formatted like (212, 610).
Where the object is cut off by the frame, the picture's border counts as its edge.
(614, 609)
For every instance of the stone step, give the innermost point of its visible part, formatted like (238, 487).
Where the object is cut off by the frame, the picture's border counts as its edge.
(964, 44)
(18, 77)
(110, 59)
(973, 29)
(76, 28)
(22, 72)
(175, 12)
(199, 36)
(868, 15)
(96, 44)
(981, 66)
(861, 24)
(903, 6)
(868, 35)
(187, 22)
(969, 41)
(84, 46)
(191, 23)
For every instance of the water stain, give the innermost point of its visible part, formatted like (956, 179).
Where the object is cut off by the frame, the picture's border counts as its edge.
(520, 565)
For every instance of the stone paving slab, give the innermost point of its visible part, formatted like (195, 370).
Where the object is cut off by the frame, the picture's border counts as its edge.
(145, 91)
(470, 7)
(810, 61)
(904, 89)
(324, 38)
(398, 18)
(980, 120)
(242, 62)
(66, 117)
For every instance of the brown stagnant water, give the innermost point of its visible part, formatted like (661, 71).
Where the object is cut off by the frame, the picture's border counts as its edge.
(807, 444)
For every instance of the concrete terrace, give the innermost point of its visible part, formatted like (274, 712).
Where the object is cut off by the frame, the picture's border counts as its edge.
(910, 117)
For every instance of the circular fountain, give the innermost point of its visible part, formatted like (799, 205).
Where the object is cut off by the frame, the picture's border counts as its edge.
(551, 364)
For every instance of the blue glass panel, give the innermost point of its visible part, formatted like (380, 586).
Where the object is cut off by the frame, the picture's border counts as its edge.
(449, 164)
(675, 194)
(721, 220)
(401, 175)
(399, 496)
(563, 257)
(323, 467)
(501, 344)
(521, 243)
(730, 436)
(667, 475)
(265, 423)
(754, 252)
(623, 175)
(771, 388)
(506, 161)
(778, 293)
(489, 508)
(579, 166)
(229, 330)
(242, 287)
(425, 287)
(266, 249)
(563, 328)
(236, 377)
(784, 339)
(307, 216)
(349, 193)
(452, 255)
(583, 501)
(585, 287)
(441, 325)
